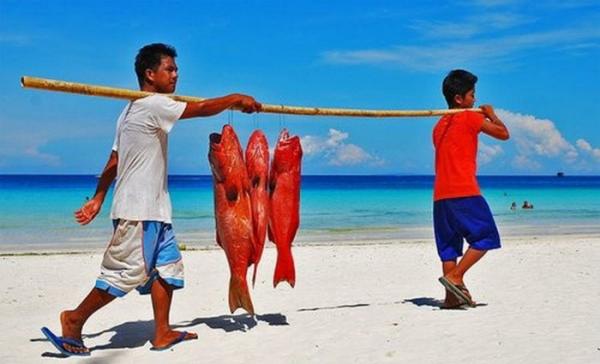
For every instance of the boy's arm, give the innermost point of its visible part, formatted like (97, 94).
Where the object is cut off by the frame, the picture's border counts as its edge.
(216, 105)
(492, 125)
(91, 208)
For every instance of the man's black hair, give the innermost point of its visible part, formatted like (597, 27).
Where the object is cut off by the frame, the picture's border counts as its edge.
(149, 57)
(458, 82)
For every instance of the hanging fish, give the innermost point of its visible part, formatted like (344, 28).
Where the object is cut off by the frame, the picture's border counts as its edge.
(233, 213)
(284, 212)
(257, 165)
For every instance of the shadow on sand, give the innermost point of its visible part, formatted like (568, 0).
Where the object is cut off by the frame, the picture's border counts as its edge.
(432, 302)
(424, 301)
(137, 333)
(334, 307)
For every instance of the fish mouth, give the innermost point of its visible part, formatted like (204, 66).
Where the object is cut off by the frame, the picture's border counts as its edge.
(215, 138)
(284, 135)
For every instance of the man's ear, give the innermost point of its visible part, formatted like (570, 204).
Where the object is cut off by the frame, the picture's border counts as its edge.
(149, 73)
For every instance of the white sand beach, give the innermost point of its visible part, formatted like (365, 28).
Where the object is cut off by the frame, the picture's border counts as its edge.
(359, 303)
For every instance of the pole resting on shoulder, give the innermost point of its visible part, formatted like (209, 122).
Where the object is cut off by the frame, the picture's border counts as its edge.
(127, 94)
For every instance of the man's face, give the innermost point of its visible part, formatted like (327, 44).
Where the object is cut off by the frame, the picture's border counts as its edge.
(164, 78)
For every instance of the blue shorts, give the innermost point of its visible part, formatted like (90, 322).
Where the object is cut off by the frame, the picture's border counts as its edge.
(468, 218)
(139, 253)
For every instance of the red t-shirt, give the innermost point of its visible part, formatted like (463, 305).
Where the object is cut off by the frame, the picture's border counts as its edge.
(455, 142)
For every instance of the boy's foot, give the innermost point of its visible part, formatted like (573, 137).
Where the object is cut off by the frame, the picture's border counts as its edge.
(172, 338)
(451, 302)
(459, 290)
(456, 306)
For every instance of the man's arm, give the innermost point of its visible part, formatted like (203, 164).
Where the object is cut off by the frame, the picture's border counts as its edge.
(91, 208)
(214, 106)
(492, 125)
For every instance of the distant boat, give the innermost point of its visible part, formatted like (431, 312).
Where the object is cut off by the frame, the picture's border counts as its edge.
(560, 174)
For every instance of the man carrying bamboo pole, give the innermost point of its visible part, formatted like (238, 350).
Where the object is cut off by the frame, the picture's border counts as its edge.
(143, 252)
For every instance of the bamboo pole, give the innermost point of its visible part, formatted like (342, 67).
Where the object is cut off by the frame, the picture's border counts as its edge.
(121, 93)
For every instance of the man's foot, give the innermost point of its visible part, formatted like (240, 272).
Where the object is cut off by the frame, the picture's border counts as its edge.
(71, 332)
(171, 338)
(67, 346)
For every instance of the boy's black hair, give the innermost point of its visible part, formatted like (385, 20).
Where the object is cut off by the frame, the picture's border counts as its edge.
(458, 82)
(149, 57)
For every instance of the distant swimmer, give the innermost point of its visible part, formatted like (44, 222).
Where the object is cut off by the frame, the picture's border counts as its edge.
(527, 205)
(513, 206)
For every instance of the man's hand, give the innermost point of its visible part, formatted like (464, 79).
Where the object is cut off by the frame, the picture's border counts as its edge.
(248, 104)
(88, 211)
(217, 105)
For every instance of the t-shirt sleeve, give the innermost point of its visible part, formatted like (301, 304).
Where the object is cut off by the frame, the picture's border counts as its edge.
(115, 146)
(167, 111)
(474, 121)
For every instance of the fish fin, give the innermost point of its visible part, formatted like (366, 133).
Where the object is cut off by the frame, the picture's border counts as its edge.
(239, 296)
(270, 233)
(254, 274)
(284, 268)
(218, 239)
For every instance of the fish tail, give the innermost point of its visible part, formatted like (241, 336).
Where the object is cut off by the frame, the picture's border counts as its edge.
(239, 296)
(284, 268)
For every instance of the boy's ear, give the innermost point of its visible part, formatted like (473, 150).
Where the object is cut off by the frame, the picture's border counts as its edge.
(458, 100)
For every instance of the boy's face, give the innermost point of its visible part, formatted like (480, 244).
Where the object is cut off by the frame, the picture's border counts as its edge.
(465, 101)
(164, 78)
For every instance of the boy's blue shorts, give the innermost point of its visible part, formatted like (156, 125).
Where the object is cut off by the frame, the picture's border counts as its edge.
(469, 218)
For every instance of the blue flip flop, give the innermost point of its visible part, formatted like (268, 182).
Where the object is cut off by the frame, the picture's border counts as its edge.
(179, 339)
(59, 342)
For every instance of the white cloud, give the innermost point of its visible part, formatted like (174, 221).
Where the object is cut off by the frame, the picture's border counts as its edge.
(481, 23)
(336, 151)
(535, 137)
(495, 51)
(523, 162)
(487, 153)
(25, 144)
(14, 39)
(586, 147)
(493, 3)
(583, 145)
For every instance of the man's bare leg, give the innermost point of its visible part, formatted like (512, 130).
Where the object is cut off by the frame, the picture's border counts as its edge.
(72, 321)
(162, 295)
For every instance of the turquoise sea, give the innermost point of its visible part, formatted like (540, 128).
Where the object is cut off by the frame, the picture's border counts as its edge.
(37, 210)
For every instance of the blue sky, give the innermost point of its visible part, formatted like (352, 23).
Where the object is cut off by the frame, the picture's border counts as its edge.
(537, 63)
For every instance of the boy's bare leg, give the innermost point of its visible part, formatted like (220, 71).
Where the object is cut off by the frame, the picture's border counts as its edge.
(471, 257)
(450, 300)
(72, 321)
(162, 295)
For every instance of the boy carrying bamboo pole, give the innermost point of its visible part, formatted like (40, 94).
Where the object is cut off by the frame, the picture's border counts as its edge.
(459, 210)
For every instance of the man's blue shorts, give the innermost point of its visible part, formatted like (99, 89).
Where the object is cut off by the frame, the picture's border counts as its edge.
(468, 218)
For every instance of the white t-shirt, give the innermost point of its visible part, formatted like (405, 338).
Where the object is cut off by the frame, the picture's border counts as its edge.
(141, 141)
